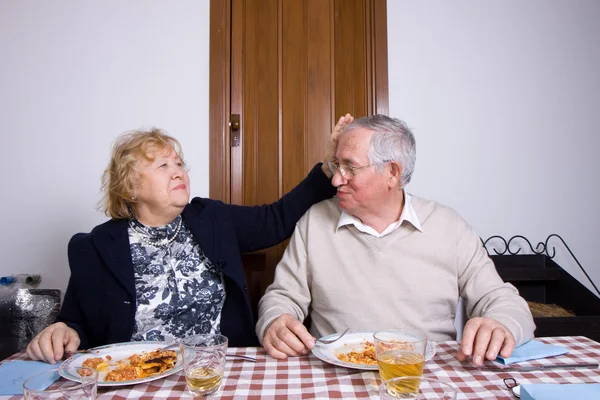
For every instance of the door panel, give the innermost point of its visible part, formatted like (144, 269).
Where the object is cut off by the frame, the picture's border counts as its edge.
(260, 103)
(350, 55)
(295, 67)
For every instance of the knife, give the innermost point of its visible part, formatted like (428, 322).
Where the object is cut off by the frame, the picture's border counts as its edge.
(541, 367)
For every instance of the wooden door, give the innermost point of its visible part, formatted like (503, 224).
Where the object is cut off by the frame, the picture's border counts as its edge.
(289, 69)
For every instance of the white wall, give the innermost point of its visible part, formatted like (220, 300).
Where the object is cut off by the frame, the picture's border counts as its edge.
(503, 97)
(74, 75)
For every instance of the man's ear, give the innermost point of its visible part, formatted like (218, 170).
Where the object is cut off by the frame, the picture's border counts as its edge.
(395, 172)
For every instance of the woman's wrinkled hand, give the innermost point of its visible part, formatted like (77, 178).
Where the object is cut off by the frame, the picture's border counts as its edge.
(333, 142)
(50, 344)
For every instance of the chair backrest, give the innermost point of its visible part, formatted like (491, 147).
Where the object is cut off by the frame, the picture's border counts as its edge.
(254, 267)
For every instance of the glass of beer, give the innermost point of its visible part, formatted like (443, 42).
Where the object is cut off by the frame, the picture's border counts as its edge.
(430, 388)
(82, 384)
(204, 363)
(400, 353)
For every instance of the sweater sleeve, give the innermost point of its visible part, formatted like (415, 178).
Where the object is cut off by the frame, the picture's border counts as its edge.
(259, 227)
(289, 293)
(485, 293)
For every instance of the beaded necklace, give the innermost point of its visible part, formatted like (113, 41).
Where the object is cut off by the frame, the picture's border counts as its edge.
(159, 243)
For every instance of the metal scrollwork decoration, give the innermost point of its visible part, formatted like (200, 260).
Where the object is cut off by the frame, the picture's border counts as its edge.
(541, 249)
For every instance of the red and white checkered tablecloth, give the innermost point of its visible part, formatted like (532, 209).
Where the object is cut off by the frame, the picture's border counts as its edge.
(310, 378)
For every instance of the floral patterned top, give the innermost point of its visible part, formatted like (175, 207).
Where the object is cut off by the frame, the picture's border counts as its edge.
(179, 292)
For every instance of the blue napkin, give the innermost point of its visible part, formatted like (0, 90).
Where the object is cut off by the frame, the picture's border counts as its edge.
(14, 373)
(533, 350)
(555, 391)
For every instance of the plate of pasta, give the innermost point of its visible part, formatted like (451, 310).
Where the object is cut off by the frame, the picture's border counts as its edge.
(122, 364)
(355, 350)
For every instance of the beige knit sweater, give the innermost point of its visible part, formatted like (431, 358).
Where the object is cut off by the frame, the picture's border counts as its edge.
(407, 279)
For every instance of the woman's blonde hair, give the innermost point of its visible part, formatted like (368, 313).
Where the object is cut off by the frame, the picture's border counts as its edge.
(119, 177)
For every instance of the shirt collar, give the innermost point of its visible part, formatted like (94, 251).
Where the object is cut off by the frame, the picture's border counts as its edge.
(408, 214)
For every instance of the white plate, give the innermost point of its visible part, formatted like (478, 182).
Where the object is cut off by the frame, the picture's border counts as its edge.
(353, 342)
(120, 352)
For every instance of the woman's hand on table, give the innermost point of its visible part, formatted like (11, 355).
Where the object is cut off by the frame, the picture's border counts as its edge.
(286, 336)
(50, 344)
(485, 338)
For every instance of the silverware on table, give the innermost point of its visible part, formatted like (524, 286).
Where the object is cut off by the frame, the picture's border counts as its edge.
(539, 367)
(170, 345)
(329, 341)
(69, 354)
(247, 358)
(177, 343)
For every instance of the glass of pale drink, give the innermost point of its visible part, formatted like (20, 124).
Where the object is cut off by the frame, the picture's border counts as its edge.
(204, 363)
(429, 388)
(400, 353)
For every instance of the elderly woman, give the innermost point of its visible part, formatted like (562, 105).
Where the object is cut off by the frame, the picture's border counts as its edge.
(163, 268)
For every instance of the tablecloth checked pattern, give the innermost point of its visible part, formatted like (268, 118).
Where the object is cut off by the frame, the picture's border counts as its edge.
(310, 378)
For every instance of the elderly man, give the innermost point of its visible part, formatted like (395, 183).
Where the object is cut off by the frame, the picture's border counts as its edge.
(377, 258)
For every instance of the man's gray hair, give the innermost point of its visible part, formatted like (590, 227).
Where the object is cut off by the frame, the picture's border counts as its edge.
(392, 141)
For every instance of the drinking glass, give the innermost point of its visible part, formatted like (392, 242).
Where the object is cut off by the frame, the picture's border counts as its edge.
(50, 385)
(429, 388)
(204, 362)
(400, 353)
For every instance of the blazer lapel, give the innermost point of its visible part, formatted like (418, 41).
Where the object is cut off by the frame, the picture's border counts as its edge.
(113, 246)
(209, 234)
(204, 230)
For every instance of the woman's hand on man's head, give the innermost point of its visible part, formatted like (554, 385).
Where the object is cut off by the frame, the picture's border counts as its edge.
(333, 141)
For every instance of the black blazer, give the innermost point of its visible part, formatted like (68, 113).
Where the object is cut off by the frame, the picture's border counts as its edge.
(100, 299)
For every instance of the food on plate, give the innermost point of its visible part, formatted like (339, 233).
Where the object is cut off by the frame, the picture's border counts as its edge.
(154, 362)
(98, 363)
(364, 357)
(123, 373)
(136, 366)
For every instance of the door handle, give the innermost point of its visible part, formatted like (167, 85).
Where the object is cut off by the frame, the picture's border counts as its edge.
(234, 130)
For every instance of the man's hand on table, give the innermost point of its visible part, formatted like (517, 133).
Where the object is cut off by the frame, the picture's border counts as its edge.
(286, 336)
(50, 344)
(485, 338)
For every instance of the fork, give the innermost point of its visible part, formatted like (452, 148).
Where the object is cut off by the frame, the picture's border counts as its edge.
(329, 341)
(69, 354)
(247, 358)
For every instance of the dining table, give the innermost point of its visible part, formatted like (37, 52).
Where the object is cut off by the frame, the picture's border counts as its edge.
(308, 377)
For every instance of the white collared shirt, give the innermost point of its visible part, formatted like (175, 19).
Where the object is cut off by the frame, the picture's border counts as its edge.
(408, 215)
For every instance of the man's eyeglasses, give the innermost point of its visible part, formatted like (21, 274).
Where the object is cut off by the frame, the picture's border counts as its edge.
(347, 171)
